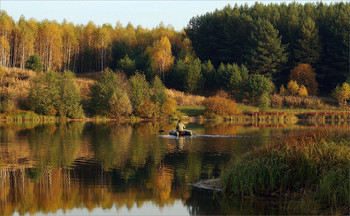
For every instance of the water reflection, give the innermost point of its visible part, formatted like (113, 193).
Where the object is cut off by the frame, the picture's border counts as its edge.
(58, 167)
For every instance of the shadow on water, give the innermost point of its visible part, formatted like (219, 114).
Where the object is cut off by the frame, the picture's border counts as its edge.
(47, 168)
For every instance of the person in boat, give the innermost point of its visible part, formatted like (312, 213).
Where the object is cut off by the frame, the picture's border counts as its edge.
(180, 126)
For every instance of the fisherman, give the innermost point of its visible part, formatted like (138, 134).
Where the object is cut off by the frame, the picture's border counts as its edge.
(180, 126)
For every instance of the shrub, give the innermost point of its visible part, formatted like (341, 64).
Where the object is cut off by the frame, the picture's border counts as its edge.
(157, 92)
(169, 107)
(303, 74)
(44, 93)
(293, 87)
(34, 63)
(342, 93)
(139, 90)
(52, 93)
(302, 92)
(108, 84)
(148, 109)
(220, 106)
(120, 105)
(276, 101)
(69, 102)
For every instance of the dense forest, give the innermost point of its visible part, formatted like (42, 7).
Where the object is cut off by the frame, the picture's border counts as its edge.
(246, 51)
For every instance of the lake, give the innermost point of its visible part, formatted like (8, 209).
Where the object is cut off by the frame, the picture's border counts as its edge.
(105, 168)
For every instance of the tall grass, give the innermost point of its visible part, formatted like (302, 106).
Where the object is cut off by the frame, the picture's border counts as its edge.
(315, 163)
(184, 99)
(20, 115)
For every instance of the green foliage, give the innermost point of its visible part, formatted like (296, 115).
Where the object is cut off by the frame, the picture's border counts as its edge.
(264, 102)
(139, 90)
(267, 55)
(193, 78)
(109, 88)
(127, 65)
(308, 48)
(257, 85)
(148, 109)
(210, 76)
(44, 93)
(187, 75)
(69, 103)
(52, 93)
(157, 92)
(34, 63)
(120, 105)
(309, 162)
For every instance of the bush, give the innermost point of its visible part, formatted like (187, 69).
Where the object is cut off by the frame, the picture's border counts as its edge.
(303, 74)
(34, 63)
(293, 87)
(139, 90)
(169, 107)
(148, 109)
(120, 105)
(108, 84)
(220, 106)
(276, 101)
(69, 102)
(52, 93)
(302, 92)
(44, 93)
(342, 93)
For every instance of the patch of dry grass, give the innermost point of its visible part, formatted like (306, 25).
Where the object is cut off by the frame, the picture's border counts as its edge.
(185, 99)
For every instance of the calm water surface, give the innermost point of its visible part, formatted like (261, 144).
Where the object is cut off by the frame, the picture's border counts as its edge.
(80, 168)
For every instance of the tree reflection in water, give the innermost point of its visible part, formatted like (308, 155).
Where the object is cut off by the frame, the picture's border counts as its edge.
(63, 166)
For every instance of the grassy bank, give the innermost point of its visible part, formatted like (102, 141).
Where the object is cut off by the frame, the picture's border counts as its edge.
(20, 115)
(312, 166)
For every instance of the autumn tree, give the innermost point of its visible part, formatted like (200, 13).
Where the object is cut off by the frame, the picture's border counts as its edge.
(342, 93)
(160, 53)
(304, 74)
(293, 87)
(7, 25)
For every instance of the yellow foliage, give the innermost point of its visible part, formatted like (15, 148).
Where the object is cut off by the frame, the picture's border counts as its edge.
(283, 91)
(161, 53)
(293, 87)
(169, 107)
(342, 93)
(302, 91)
(220, 106)
(305, 75)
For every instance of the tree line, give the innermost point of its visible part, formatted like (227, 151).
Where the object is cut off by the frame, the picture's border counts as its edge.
(273, 39)
(218, 50)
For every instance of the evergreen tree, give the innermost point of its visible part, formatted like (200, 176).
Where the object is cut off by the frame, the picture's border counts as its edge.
(308, 47)
(267, 54)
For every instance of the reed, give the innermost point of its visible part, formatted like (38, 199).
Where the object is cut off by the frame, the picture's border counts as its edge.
(310, 162)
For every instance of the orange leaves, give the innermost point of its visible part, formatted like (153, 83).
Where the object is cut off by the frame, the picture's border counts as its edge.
(303, 74)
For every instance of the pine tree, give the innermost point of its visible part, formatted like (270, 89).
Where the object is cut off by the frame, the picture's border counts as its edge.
(267, 54)
(308, 47)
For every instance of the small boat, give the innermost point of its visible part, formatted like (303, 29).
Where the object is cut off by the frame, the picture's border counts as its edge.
(181, 133)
